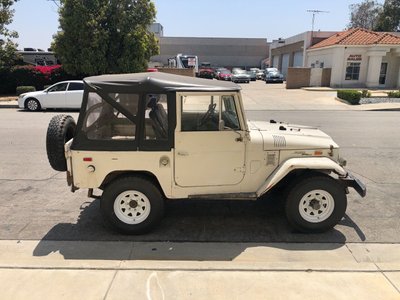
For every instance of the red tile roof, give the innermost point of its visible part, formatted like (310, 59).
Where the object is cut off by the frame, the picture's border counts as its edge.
(359, 36)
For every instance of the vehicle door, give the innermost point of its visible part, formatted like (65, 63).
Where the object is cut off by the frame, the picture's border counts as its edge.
(74, 95)
(209, 141)
(54, 97)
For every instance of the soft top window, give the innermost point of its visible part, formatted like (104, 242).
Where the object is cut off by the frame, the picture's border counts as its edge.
(104, 122)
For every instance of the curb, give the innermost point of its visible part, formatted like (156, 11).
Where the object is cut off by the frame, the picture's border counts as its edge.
(8, 104)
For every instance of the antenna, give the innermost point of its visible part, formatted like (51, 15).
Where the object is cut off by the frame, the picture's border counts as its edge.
(55, 2)
(314, 12)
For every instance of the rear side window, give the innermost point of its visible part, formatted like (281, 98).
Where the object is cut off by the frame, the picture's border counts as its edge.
(156, 117)
(104, 122)
(75, 86)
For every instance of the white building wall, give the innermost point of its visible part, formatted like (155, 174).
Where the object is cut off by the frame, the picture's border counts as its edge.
(337, 58)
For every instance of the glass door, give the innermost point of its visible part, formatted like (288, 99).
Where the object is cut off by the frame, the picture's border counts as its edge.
(382, 74)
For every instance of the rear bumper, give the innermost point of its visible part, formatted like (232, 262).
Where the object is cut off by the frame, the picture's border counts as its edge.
(355, 183)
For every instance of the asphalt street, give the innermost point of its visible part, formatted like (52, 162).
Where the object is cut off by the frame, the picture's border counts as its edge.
(36, 203)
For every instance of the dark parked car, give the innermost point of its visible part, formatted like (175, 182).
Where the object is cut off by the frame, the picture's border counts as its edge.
(274, 77)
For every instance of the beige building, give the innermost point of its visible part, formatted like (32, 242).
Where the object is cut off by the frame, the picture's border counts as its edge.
(359, 58)
(224, 52)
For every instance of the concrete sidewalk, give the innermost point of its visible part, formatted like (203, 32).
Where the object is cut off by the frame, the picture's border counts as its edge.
(163, 270)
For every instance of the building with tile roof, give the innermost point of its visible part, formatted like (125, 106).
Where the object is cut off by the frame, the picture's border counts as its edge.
(359, 58)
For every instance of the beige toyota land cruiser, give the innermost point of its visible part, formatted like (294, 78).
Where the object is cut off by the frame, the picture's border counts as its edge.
(146, 138)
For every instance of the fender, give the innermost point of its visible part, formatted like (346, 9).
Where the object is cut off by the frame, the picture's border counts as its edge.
(305, 163)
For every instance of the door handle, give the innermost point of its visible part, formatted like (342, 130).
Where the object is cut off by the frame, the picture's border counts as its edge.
(183, 153)
(239, 139)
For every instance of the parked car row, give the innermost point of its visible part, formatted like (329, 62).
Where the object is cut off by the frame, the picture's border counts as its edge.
(68, 94)
(269, 75)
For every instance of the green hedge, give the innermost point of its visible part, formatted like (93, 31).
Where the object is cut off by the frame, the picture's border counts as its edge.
(25, 89)
(10, 79)
(351, 96)
(395, 94)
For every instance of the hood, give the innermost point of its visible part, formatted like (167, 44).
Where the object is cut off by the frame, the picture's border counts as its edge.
(241, 75)
(31, 94)
(290, 136)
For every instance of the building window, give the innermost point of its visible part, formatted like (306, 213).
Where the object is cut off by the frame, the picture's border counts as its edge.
(352, 71)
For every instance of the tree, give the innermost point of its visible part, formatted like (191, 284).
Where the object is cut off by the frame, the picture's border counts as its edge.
(105, 36)
(389, 19)
(8, 48)
(365, 14)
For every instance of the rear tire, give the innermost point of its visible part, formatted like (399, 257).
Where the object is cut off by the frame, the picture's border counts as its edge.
(60, 130)
(132, 205)
(316, 204)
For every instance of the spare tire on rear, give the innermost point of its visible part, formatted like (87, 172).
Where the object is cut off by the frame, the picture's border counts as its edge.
(60, 130)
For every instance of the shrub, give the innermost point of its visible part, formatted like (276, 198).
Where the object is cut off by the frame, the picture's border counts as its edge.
(351, 96)
(25, 89)
(395, 94)
(7, 82)
(365, 94)
(28, 76)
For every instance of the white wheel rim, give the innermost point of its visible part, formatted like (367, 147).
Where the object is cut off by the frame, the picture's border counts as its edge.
(316, 206)
(32, 105)
(132, 207)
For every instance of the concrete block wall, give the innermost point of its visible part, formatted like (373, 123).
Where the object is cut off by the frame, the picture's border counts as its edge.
(183, 72)
(298, 77)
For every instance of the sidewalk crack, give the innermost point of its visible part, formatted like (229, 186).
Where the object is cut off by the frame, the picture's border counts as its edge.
(351, 252)
(388, 279)
(111, 282)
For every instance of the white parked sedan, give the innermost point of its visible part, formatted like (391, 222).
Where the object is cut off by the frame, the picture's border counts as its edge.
(65, 94)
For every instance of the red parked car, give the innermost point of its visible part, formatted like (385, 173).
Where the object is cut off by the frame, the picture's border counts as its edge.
(224, 75)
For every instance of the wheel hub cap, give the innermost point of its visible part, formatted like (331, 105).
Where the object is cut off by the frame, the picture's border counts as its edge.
(316, 206)
(133, 204)
(132, 207)
(32, 105)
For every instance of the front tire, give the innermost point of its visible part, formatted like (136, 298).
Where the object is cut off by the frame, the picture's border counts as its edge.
(316, 204)
(132, 205)
(32, 104)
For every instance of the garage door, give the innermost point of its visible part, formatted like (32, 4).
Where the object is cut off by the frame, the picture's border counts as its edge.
(285, 64)
(298, 59)
(275, 61)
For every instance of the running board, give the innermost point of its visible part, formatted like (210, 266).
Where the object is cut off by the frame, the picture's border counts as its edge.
(230, 196)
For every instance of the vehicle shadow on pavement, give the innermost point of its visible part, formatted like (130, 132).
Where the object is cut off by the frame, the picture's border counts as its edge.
(237, 224)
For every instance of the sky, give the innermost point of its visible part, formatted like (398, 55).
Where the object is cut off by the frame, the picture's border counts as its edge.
(37, 20)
